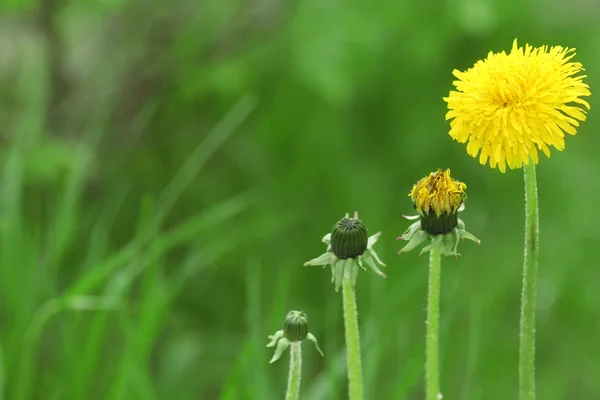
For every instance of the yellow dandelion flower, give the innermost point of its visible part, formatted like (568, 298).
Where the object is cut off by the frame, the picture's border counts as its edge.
(510, 105)
(438, 193)
(438, 199)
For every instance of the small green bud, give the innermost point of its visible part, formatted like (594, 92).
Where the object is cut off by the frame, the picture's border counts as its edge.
(349, 238)
(295, 330)
(295, 327)
(348, 250)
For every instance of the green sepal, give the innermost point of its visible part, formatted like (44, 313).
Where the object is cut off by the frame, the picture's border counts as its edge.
(339, 273)
(448, 242)
(274, 338)
(324, 259)
(415, 239)
(370, 259)
(313, 339)
(282, 345)
(469, 236)
(436, 241)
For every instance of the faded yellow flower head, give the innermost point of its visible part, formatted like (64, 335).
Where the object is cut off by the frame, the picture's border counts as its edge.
(439, 193)
(509, 104)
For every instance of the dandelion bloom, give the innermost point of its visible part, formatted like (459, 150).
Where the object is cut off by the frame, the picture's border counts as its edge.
(510, 105)
(438, 193)
(438, 199)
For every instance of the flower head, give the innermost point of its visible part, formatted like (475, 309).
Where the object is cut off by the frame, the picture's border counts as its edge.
(349, 238)
(438, 193)
(295, 329)
(348, 249)
(438, 199)
(509, 106)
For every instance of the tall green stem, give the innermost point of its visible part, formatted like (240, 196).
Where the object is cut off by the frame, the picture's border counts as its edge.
(432, 374)
(355, 382)
(294, 377)
(528, 294)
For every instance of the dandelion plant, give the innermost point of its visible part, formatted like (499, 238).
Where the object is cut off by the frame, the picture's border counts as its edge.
(295, 330)
(438, 199)
(349, 249)
(506, 108)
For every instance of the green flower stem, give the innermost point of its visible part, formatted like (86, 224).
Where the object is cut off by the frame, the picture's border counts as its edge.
(355, 382)
(294, 377)
(528, 294)
(433, 326)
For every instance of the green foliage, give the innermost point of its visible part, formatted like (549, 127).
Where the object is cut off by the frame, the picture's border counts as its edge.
(193, 143)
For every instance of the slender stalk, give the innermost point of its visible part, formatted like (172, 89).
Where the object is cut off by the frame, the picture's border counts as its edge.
(294, 377)
(355, 382)
(528, 294)
(432, 374)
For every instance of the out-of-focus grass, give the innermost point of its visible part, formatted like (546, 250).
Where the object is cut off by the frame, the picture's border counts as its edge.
(155, 268)
(32, 257)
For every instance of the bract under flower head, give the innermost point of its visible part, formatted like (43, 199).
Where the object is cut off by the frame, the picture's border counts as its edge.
(510, 105)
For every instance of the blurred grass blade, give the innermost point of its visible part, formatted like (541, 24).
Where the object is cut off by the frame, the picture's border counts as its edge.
(198, 158)
(44, 314)
(254, 326)
(320, 387)
(66, 216)
(2, 375)
(172, 192)
(185, 231)
(232, 389)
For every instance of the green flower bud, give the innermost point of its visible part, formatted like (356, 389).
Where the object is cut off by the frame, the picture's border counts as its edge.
(295, 328)
(349, 238)
(349, 250)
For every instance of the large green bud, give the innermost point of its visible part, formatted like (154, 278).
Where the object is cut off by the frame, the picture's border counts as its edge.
(295, 328)
(349, 238)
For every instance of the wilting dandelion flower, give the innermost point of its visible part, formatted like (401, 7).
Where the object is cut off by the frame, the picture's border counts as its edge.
(509, 106)
(438, 199)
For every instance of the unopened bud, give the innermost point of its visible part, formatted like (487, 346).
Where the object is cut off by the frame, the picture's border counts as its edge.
(295, 328)
(349, 238)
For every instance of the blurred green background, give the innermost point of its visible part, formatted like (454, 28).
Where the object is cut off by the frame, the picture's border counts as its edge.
(167, 167)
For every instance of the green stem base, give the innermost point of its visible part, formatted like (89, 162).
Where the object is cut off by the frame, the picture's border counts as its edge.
(355, 381)
(528, 295)
(432, 376)
(294, 377)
